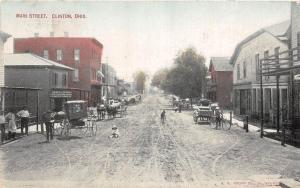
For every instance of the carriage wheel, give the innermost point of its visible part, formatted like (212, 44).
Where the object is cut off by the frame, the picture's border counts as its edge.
(195, 118)
(65, 131)
(212, 122)
(225, 124)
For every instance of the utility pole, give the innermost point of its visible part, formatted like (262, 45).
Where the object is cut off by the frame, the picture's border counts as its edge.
(107, 80)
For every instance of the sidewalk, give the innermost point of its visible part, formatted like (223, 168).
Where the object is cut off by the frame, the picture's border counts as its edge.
(32, 129)
(251, 127)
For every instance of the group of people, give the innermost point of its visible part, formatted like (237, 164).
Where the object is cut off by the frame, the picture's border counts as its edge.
(11, 118)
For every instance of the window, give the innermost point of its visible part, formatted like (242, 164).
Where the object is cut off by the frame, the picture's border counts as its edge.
(298, 45)
(64, 80)
(55, 77)
(46, 54)
(238, 71)
(254, 100)
(77, 55)
(266, 55)
(257, 64)
(245, 69)
(59, 55)
(75, 75)
(276, 54)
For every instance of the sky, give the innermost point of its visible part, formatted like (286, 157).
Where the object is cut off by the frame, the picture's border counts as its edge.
(146, 35)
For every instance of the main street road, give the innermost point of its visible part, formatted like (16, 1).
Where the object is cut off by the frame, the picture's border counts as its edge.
(146, 152)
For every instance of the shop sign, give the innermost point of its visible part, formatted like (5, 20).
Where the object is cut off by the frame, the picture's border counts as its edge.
(61, 94)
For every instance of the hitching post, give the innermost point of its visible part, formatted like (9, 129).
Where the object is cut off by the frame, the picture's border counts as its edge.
(283, 134)
(230, 118)
(247, 121)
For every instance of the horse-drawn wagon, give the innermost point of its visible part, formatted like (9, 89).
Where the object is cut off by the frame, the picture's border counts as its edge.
(75, 116)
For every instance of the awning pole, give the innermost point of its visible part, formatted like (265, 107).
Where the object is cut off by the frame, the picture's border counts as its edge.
(262, 103)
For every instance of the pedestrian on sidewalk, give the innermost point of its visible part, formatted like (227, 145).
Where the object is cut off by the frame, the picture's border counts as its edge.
(12, 128)
(24, 114)
(48, 118)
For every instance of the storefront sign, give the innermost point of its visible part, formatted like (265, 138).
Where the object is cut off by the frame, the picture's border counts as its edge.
(61, 94)
(297, 77)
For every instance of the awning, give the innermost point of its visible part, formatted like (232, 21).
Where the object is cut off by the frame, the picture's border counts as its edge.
(297, 77)
(99, 73)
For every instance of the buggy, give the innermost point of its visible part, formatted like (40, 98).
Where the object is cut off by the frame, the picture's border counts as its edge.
(75, 116)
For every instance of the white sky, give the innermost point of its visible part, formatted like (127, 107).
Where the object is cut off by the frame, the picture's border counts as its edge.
(148, 35)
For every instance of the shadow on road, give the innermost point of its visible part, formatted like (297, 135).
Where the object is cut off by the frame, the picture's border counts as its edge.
(69, 138)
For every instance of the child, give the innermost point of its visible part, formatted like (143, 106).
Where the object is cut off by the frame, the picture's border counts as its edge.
(163, 117)
(115, 132)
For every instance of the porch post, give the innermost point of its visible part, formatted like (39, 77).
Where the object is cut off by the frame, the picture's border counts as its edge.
(262, 103)
(278, 105)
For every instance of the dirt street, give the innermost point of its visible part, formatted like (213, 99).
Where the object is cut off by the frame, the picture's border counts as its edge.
(177, 152)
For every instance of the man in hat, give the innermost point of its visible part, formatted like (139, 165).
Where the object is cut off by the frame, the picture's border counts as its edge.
(24, 114)
(48, 118)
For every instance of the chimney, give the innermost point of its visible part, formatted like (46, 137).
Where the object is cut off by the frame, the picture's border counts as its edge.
(36, 34)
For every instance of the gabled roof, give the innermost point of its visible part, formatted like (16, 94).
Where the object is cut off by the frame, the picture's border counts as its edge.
(27, 59)
(4, 36)
(279, 31)
(220, 64)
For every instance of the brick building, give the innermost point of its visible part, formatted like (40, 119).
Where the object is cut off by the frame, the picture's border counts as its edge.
(219, 87)
(264, 43)
(82, 54)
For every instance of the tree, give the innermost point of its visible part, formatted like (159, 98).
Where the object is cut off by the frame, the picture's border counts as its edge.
(159, 77)
(186, 77)
(140, 80)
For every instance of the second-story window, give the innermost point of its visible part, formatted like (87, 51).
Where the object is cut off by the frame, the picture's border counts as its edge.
(266, 56)
(75, 75)
(64, 80)
(59, 55)
(77, 55)
(55, 79)
(244, 69)
(238, 71)
(46, 54)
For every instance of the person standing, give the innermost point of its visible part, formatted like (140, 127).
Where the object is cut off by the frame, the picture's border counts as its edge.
(12, 128)
(24, 114)
(163, 117)
(179, 107)
(48, 120)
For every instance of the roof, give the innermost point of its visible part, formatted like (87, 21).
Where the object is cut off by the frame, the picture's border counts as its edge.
(72, 39)
(75, 101)
(27, 59)
(279, 31)
(220, 64)
(4, 36)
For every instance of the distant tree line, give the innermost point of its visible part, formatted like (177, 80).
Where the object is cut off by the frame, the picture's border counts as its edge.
(186, 77)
